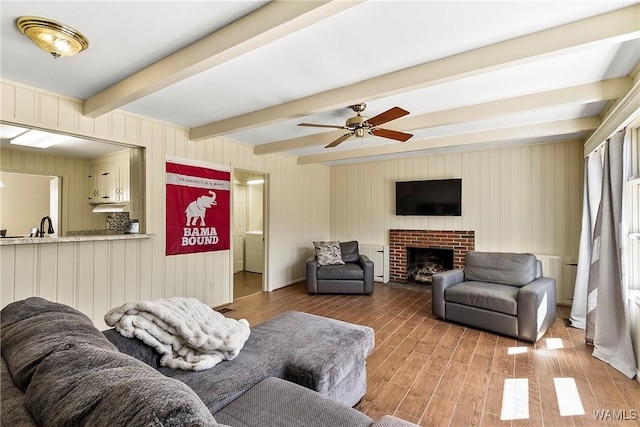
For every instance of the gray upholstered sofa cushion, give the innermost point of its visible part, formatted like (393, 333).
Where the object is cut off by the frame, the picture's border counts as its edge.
(34, 328)
(490, 296)
(391, 421)
(134, 348)
(349, 251)
(13, 410)
(275, 403)
(316, 352)
(505, 268)
(72, 375)
(83, 384)
(335, 350)
(348, 271)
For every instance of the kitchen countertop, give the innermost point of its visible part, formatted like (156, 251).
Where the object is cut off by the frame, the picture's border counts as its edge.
(80, 238)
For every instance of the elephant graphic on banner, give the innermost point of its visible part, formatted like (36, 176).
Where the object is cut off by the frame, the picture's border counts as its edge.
(198, 207)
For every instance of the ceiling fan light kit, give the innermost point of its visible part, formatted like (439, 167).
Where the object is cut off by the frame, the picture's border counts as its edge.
(53, 37)
(360, 125)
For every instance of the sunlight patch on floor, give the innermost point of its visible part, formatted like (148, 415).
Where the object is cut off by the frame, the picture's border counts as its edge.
(517, 350)
(515, 399)
(569, 401)
(554, 343)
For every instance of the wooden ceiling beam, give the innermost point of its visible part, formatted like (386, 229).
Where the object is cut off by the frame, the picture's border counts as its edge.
(584, 93)
(273, 21)
(609, 28)
(623, 112)
(561, 127)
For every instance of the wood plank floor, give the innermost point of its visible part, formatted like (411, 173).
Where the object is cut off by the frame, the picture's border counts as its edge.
(246, 283)
(436, 373)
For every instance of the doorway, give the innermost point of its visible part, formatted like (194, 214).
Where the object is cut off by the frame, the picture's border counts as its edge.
(248, 232)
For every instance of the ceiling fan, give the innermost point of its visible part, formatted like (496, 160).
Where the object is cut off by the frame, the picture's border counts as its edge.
(360, 125)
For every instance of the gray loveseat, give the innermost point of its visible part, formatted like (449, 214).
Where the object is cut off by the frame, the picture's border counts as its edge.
(57, 369)
(355, 276)
(500, 292)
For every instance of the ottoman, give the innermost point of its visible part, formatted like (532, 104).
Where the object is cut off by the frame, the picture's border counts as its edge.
(319, 353)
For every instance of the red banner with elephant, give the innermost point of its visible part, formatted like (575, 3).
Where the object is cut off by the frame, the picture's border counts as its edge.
(198, 206)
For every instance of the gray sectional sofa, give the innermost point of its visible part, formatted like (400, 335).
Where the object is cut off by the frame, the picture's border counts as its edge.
(296, 369)
(500, 292)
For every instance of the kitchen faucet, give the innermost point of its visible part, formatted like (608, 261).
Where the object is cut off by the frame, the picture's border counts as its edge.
(42, 221)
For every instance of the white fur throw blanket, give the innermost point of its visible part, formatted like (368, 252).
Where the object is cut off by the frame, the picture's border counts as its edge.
(189, 334)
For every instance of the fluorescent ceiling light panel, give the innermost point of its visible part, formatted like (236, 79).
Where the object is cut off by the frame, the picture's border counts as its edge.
(38, 139)
(255, 181)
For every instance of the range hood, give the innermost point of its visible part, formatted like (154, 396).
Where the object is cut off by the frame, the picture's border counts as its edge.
(111, 207)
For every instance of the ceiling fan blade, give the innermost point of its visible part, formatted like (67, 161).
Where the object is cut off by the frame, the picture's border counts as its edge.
(387, 116)
(391, 134)
(313, 125)
(340, 140)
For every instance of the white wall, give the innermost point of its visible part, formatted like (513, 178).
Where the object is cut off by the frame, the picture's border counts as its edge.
(521, 199)
(295, 216)
(74, 173)
(255, 196)
(19, 214)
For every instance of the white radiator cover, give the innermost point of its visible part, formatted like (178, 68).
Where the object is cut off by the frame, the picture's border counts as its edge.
(379, 254)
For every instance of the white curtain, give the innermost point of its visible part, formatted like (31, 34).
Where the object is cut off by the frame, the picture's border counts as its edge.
(600, 298)
(590, 203)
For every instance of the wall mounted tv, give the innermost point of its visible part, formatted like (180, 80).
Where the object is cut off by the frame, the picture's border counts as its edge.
(438, 197)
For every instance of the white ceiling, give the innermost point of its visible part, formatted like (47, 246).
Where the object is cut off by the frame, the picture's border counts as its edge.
(472, 74)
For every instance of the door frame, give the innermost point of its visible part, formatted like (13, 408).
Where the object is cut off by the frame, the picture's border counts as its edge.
(265, 226)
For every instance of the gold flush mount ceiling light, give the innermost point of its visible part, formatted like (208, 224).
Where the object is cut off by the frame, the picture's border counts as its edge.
(53, 37)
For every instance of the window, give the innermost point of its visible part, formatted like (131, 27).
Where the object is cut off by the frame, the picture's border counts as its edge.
(631, 251)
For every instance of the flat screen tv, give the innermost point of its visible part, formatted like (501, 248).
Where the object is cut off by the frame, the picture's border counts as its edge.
(438, 197)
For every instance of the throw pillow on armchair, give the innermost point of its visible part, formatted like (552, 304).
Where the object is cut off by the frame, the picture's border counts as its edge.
(328, 253)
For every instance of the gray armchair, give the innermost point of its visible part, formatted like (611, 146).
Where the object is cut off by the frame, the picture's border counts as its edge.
(500, 292)
(355, 276)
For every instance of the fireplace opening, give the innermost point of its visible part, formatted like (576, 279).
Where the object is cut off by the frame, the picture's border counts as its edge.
(422, 263)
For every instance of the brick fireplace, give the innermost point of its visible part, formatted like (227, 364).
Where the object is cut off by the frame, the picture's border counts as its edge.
(399, 240)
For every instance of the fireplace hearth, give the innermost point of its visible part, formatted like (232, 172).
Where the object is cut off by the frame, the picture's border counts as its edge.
(422, 263)
(460, 241)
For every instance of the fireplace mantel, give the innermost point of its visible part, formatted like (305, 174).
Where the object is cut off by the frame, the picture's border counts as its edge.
(460, 241)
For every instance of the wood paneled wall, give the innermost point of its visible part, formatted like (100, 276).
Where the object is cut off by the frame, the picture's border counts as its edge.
(296, 215)
(91, 276)
(520, 199)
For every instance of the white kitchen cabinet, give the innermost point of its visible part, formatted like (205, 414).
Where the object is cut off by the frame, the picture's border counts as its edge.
(94, 185)
(120, 182)
(109, 178)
